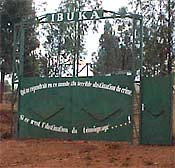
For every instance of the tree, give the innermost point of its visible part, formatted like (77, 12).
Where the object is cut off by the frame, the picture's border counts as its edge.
(108, 54)
(68, 38)
(114, 52)
(12, 12)
(159, 17)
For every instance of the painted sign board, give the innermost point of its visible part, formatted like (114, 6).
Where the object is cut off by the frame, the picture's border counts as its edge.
(74, 16)
(94, 108)
(82, 16)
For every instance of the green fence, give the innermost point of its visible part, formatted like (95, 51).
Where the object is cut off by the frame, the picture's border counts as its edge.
(94, 108)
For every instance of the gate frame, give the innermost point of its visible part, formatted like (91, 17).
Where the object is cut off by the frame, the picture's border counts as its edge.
(19, 36)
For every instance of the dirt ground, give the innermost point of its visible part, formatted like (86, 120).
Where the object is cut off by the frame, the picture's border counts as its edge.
(49, 153)
(81, 154)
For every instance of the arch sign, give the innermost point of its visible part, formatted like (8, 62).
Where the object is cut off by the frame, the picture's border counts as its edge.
(74, 16)
(84, 15)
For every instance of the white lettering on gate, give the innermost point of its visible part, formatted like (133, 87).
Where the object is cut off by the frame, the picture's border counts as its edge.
(95, 15)
(95, 129)
(70, 16)
(86, 84)
(54, 127)
(82, 16)
(35, 123)
(60, 17)
(74, 130)
(73, 16)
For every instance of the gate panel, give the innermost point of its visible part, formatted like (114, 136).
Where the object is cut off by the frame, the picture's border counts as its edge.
(155, 123)
(94, 108)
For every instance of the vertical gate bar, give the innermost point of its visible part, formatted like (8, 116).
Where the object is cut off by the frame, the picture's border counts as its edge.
(14, 60)
(21, 68)
(87, 66)
(21, 56)
(78, 47)
(75, 44)
(141, 80)
(170, 39)
(13, 80)
(141, 46)
(171, 104)
(133, 71)
(133, 47)
(79, 38)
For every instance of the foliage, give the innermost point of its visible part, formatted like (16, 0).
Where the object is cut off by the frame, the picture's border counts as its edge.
(66, 40)
(115, 47)
(108, 54)
(159, 17)
(12, 12)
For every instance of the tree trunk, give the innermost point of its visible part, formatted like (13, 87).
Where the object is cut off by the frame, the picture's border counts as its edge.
(2, 86)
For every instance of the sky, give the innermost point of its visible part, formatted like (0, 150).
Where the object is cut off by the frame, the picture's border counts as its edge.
(113, 5)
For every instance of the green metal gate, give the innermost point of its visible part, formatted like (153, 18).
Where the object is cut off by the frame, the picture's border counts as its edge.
(93, 108)
(75, 108)
(156, 116)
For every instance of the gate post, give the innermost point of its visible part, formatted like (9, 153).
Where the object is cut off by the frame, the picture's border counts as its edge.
(173, 109)
(21, 56)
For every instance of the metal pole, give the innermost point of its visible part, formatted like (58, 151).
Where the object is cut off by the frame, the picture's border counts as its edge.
(21, 55)
(13, 80)
(141, 47)
(133, 64)
(79, 39)
(75, 45)
(169, 38)
(78, 47)
(133, 48)
(87, 66)
(141, 80)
